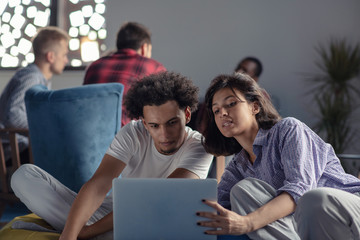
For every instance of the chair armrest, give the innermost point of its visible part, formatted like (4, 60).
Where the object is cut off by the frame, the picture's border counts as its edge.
(15, 155)
(15, 130)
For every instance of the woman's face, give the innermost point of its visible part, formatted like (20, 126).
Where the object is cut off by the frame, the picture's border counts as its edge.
(234, 116)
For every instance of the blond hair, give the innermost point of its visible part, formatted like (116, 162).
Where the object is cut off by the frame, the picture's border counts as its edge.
(48, 39)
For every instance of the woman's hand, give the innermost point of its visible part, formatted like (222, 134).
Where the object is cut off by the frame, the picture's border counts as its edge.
(224, 221)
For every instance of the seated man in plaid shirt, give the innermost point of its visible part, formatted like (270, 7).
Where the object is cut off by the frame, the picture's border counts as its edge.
(129, 63)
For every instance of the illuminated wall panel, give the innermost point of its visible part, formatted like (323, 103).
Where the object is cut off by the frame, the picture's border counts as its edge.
(85, 23)
(18, 24)
(82, 19)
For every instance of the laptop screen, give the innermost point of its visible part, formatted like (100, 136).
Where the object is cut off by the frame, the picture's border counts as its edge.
(161, 208)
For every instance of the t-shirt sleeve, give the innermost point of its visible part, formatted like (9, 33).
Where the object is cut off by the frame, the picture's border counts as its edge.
(124, 144)
(195, 158)
(300, 150)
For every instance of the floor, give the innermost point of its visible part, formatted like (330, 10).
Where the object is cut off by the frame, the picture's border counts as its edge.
(13, 211)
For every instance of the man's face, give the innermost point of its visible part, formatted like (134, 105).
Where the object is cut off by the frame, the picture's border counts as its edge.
(166, 125)
(60, 57)
(248, 67)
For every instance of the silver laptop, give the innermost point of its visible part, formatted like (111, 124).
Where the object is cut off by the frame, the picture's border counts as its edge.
(146, 209)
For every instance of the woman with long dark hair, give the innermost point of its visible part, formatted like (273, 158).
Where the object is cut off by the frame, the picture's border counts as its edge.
(284, 181)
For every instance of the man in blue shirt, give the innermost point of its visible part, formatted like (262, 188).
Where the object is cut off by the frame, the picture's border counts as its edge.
(50, 48)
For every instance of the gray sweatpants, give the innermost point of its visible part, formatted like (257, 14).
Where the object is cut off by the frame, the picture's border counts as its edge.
(323, 213)
(48, 198)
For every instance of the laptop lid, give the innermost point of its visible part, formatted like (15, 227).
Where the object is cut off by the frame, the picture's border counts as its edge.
(161, 208)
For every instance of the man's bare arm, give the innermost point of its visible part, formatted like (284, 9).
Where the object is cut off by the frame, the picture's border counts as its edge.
(90, 198)
(183, 173)
(103, 225)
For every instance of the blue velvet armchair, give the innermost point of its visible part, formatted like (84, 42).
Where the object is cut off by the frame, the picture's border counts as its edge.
(70, 129)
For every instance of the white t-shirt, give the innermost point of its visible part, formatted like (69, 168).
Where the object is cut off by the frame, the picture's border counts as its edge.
(135, 147)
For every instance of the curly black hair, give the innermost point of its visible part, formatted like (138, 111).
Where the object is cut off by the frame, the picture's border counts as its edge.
(157, 89)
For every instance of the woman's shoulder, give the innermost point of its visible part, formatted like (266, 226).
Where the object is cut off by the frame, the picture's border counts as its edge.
(285, 125)
(288, 122)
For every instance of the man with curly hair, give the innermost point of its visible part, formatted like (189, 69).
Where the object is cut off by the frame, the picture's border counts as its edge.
(158, 145)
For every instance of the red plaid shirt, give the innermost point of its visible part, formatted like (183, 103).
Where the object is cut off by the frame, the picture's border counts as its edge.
(125, 67)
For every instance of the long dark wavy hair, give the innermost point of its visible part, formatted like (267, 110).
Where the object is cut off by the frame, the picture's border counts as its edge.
(213, 141)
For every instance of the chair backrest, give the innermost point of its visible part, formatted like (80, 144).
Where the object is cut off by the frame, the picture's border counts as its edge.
(71, 129)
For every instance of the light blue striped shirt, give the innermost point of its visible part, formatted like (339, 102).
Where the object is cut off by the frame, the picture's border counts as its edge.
(291, 158)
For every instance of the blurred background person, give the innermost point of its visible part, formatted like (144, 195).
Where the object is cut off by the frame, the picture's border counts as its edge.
(50, 47)
(129, 63)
